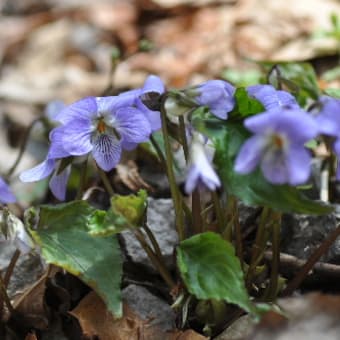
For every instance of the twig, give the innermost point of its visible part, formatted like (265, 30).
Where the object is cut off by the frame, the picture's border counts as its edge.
(296, 281)
(289, 264)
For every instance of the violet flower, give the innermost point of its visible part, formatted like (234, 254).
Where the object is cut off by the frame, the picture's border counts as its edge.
(201, 172)
(146, 99)
(271, 98)
(58, 181)
(103, 126)
(278, 146)
(218, 95)
(6, 195)
(328, 121)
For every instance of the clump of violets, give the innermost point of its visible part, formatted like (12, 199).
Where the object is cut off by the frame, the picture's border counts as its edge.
(201, 173)
(278, 141)
(6, 195)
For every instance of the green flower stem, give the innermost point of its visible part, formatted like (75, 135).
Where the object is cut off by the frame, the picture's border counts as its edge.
(238, 234)
(196, 211)
(218, 210)
(171, 176)
(153, 241)
(184, 138)
(82, 180)
(258, 245)
(106, 181)
(154, 259)
(22, 148)
(274, 274)
(159, 153)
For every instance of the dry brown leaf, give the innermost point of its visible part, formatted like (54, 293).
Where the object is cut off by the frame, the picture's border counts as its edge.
(128, 174)
(96, 320)
(31, 309)
(186, 335)
(31, 336)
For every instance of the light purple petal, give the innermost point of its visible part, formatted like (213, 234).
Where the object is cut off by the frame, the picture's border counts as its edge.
(128, 98)
(56, 149)
(336, 147)
(76, 138)
(328, 119)
(58, 183)
(250, 154)
(270, 98)
(132, 125)
(153, 117)
(128, 146)
(39, 172)
(53, 108)
(296, 124)
(110, 104)
(192, 179)
(298, 164)
(153, 84)
(6, 195)
(85, 108)
(274, 166)
(106, 151)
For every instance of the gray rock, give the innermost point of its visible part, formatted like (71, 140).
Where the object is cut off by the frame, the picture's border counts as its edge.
(27, 270)
(149, 307)
(161, 219)
(302, 234)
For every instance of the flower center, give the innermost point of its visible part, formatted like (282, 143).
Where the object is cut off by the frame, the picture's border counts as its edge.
(101, 126)
(278, 141)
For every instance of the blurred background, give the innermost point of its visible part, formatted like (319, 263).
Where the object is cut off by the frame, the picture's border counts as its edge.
(69, 49)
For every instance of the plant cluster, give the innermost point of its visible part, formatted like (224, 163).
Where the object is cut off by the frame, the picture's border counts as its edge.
(252, 144)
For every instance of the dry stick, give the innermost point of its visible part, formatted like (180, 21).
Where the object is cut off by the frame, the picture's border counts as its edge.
(11, 266)
(4, 296)
(291, 264)
(296, 281)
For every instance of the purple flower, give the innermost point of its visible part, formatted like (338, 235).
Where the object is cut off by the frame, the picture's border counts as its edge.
(103, 126)
(328, 120)
(146, 99)
(218, 96)
(201, 172)
(278, 146)
(271, 98)
(6, 195)
(58, 181)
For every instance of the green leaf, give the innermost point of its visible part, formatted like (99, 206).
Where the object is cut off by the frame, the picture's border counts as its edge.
(211, 270)
(253, 189)
(61, 232)
(132, 207)
(245, 105)
(299, 78)
(242, 78)
(335, 93)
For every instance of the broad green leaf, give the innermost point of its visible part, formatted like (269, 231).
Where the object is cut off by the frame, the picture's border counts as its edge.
(211, 270)
(253, 189)
(106, 223)
(132, 207)
(61, 232)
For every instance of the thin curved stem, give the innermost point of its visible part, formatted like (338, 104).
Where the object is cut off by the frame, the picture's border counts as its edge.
(106, 181)
(171, 175)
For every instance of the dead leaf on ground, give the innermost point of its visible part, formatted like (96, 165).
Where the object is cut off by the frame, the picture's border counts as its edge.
(96, 321)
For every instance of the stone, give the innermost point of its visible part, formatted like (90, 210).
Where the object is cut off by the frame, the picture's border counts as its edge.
(149, 307)
(302, 234)
(161, 221)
